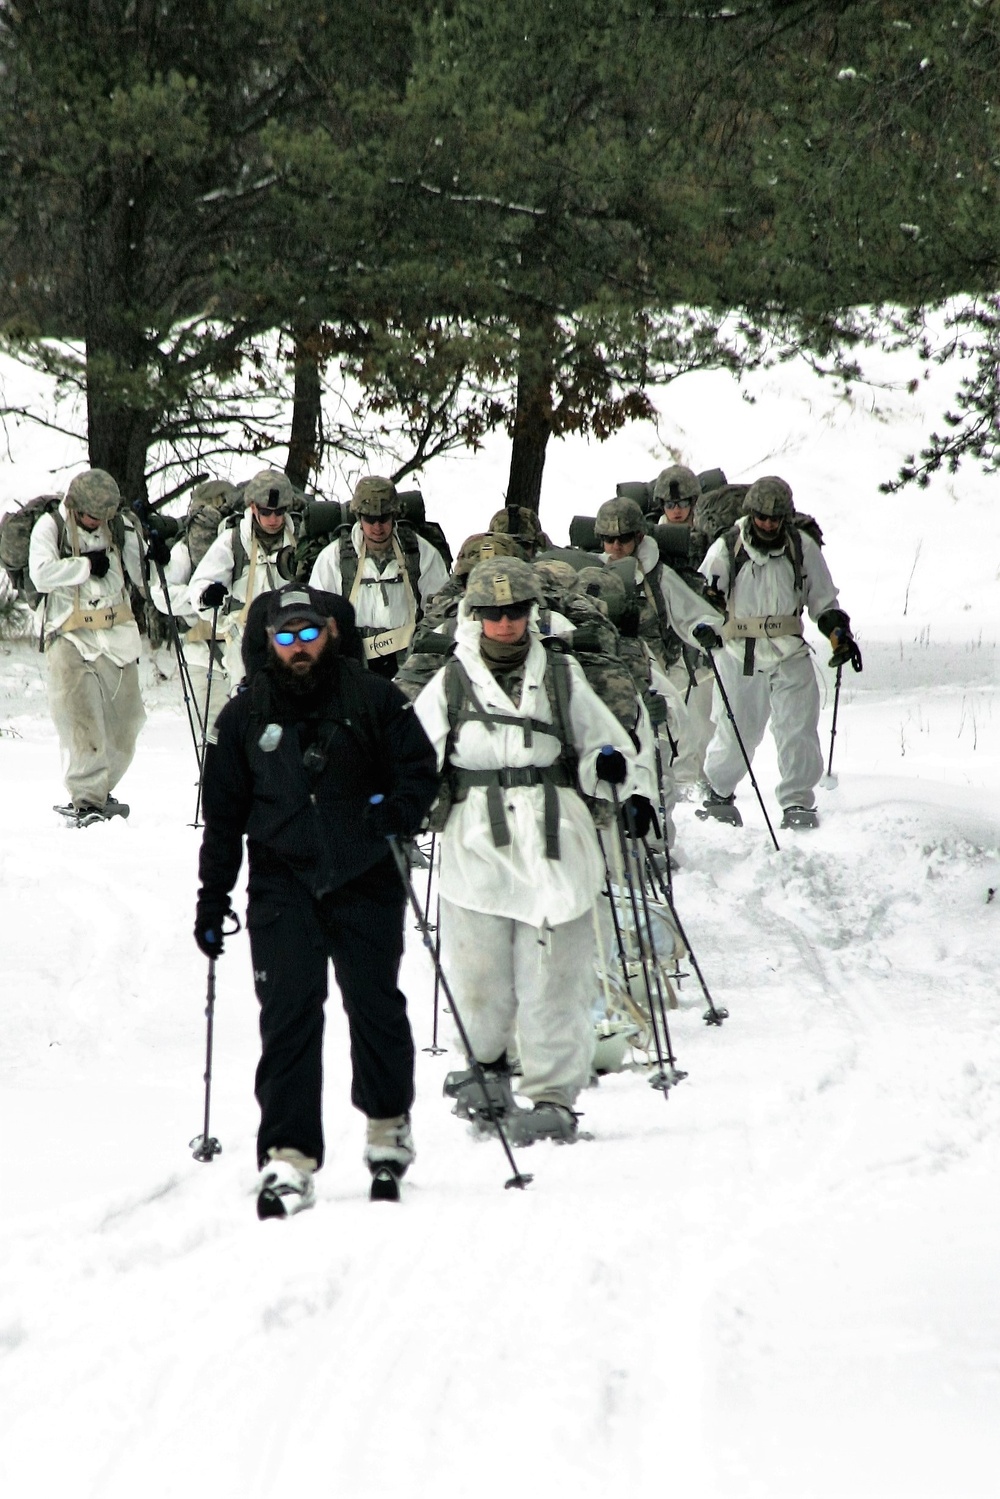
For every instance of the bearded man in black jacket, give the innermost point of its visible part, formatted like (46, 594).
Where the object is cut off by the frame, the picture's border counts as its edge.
(300, 753)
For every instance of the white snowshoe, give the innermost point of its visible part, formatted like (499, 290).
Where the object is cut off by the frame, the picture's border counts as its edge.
(800, 817)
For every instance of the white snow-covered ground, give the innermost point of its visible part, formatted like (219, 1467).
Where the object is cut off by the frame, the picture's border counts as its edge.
(781, 1283)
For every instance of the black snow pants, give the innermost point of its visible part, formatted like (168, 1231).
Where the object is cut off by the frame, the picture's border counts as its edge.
(292, 937)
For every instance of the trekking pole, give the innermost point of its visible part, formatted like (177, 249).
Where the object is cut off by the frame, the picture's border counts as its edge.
(207, 719)
(141, 512)
(616, 922)
(739, 740)
(434, 1049)
(664, 1080)
(205, 1146)
(830, 780)
(715, 1014)
(520, 1178)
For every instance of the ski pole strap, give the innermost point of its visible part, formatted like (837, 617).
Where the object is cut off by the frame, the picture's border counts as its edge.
(498, 781)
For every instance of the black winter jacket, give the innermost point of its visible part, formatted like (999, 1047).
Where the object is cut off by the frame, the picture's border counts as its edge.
(308, 823)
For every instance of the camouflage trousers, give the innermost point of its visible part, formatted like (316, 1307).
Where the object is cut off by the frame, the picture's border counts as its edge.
(97, 710)
(512, 980)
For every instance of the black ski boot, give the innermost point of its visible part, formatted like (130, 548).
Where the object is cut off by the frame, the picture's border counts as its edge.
(722, 808)
(389, 1151)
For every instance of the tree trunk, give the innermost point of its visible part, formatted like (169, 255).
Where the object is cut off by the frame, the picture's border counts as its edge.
(532, 418)
(120, 421)
(305, 437)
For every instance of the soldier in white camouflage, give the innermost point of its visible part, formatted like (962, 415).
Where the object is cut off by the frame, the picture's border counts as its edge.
(80, 558)
(519, 734)
(385, 570)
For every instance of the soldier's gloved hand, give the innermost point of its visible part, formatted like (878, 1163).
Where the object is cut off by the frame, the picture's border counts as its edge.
(656, 707)
(386, 819)
(707, 638)
(208, 930)
(214, 595)
(99, 563)
(285, 563)
(845, 648)
(640, 817)
(157, 549)
(611, 766)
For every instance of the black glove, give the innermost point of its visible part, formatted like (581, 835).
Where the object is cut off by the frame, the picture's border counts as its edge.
(656, 707)
(845, 648)
(208, 932)
(157, 549)
(611, 766)
(214, 595)
(707, 638)
(640, 817)
(386, 819)
(99, 563)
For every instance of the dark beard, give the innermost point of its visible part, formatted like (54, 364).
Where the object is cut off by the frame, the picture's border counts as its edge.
(302, 691)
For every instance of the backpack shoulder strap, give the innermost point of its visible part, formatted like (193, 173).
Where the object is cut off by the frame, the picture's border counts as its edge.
(737, 554)
(794, 547)
(348, 560)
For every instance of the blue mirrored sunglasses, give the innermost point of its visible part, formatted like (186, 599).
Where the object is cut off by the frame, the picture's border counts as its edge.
(307, 634)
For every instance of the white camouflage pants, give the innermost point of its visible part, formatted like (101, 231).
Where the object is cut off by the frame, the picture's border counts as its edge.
(788, 694)
(697, 728)
(506, 977)
(97, 710)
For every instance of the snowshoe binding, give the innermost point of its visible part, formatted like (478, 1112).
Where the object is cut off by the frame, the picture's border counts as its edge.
(86, 814)
(800, 817)
(476, 1102)
(721, 808)
(546, 1121)
(284, 1190)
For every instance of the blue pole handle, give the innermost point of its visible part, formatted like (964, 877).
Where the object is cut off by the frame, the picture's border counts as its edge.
(373, 801)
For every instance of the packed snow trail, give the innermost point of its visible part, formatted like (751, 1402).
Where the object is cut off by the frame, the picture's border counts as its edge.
(782, 1280)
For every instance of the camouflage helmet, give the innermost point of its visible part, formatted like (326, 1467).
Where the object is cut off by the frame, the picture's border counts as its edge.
(270, 490)
(619, 517)
(218, 493)
(605, 587)
(555, 573)
(502, 580)
(482, 547)
(677, 485)
(374, 498)
(519, 521)
(772, 497)
(94, 493)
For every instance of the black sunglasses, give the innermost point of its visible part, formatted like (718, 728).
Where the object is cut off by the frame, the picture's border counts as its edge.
(624, 537)
(496, 612)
